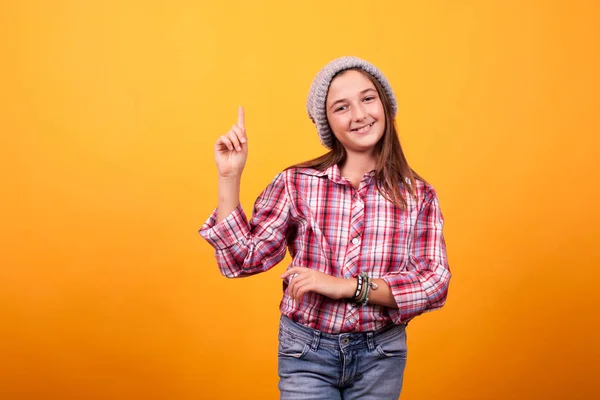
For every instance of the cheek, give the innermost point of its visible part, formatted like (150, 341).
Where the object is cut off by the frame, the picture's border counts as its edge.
(377, 111)
(337, 123)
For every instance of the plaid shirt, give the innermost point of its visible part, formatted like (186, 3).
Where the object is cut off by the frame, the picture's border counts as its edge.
(329, 225)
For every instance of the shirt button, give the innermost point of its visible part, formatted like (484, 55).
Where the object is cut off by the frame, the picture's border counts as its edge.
(355, 241)
(352, 320)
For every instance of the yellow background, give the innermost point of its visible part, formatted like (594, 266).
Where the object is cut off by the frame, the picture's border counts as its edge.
(108, 114)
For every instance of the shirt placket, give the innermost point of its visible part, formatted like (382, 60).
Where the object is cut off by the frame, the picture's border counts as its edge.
(353, 250)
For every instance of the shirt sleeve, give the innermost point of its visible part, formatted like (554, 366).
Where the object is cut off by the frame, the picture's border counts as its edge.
(423, 286)
(243, 247)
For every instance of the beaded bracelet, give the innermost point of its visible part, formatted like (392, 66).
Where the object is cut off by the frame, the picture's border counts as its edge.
(363, 287)
(359, 287)
(361, 296)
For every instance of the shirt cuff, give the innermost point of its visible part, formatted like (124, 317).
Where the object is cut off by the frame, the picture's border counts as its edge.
(409, 294)
(227, 232)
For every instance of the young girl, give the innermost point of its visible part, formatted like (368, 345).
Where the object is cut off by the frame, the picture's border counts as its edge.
(364, 232)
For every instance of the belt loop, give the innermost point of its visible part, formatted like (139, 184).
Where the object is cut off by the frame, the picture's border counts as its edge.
(316, 340)
(370, 342)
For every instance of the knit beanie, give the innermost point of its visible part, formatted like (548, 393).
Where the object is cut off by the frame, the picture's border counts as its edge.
(315, 105)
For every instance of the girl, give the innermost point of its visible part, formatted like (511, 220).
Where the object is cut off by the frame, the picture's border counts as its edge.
(364, 232)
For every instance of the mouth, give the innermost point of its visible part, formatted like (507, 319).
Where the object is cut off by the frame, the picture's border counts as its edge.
(363, 129)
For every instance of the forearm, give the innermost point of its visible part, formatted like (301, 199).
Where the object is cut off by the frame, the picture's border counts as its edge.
(229, 196)
(381, 296)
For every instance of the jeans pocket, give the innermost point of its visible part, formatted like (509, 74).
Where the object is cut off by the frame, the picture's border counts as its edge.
(299, 350)
(291, 346)
(393, 347)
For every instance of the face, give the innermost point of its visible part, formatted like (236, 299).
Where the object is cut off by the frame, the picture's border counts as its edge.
(355, 112)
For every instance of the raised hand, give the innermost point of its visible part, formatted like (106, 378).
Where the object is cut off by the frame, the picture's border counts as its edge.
(231, 149)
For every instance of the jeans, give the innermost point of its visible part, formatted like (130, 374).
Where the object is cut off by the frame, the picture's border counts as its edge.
(317, 365)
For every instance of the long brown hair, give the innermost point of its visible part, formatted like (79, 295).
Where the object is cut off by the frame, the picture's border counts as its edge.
(391, 170)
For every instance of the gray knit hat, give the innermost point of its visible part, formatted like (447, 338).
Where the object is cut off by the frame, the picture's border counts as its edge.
(315, 105)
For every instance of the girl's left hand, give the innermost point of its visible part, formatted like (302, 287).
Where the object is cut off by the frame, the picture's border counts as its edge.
(303, 280)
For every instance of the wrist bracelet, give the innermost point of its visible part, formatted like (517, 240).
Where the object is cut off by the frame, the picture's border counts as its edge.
(366, 297)
(359, 287)
(365, 292)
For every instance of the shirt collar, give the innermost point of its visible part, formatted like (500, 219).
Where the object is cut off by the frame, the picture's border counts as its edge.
(333, 173)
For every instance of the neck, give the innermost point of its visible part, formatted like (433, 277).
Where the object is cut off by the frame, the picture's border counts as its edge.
(357, 165)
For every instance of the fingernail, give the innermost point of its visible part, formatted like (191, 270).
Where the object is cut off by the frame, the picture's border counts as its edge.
(243, 140)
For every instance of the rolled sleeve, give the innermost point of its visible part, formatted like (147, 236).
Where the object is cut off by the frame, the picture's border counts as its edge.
(228, 232)
(243, 247)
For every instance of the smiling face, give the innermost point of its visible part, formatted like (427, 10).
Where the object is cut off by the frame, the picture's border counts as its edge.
(355, 112)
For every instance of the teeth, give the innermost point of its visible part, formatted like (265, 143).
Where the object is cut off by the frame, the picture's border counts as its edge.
(364, 128)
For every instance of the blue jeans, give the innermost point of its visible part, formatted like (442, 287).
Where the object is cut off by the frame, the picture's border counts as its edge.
(348, 366)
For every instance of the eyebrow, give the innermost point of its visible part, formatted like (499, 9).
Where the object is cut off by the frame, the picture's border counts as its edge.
(342, 100)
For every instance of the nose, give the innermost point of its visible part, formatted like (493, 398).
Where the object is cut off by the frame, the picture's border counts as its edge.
(359, 113)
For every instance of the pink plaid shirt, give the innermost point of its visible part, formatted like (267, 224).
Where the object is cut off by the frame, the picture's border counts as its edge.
(329, 225)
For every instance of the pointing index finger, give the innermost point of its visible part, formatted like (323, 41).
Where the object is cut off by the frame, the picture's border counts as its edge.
(241, 122)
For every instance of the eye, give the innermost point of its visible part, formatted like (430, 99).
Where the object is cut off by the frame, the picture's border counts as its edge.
(369, 98)
(340, 108)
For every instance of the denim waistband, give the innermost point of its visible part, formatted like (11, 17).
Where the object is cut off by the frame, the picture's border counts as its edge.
(317, 338)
